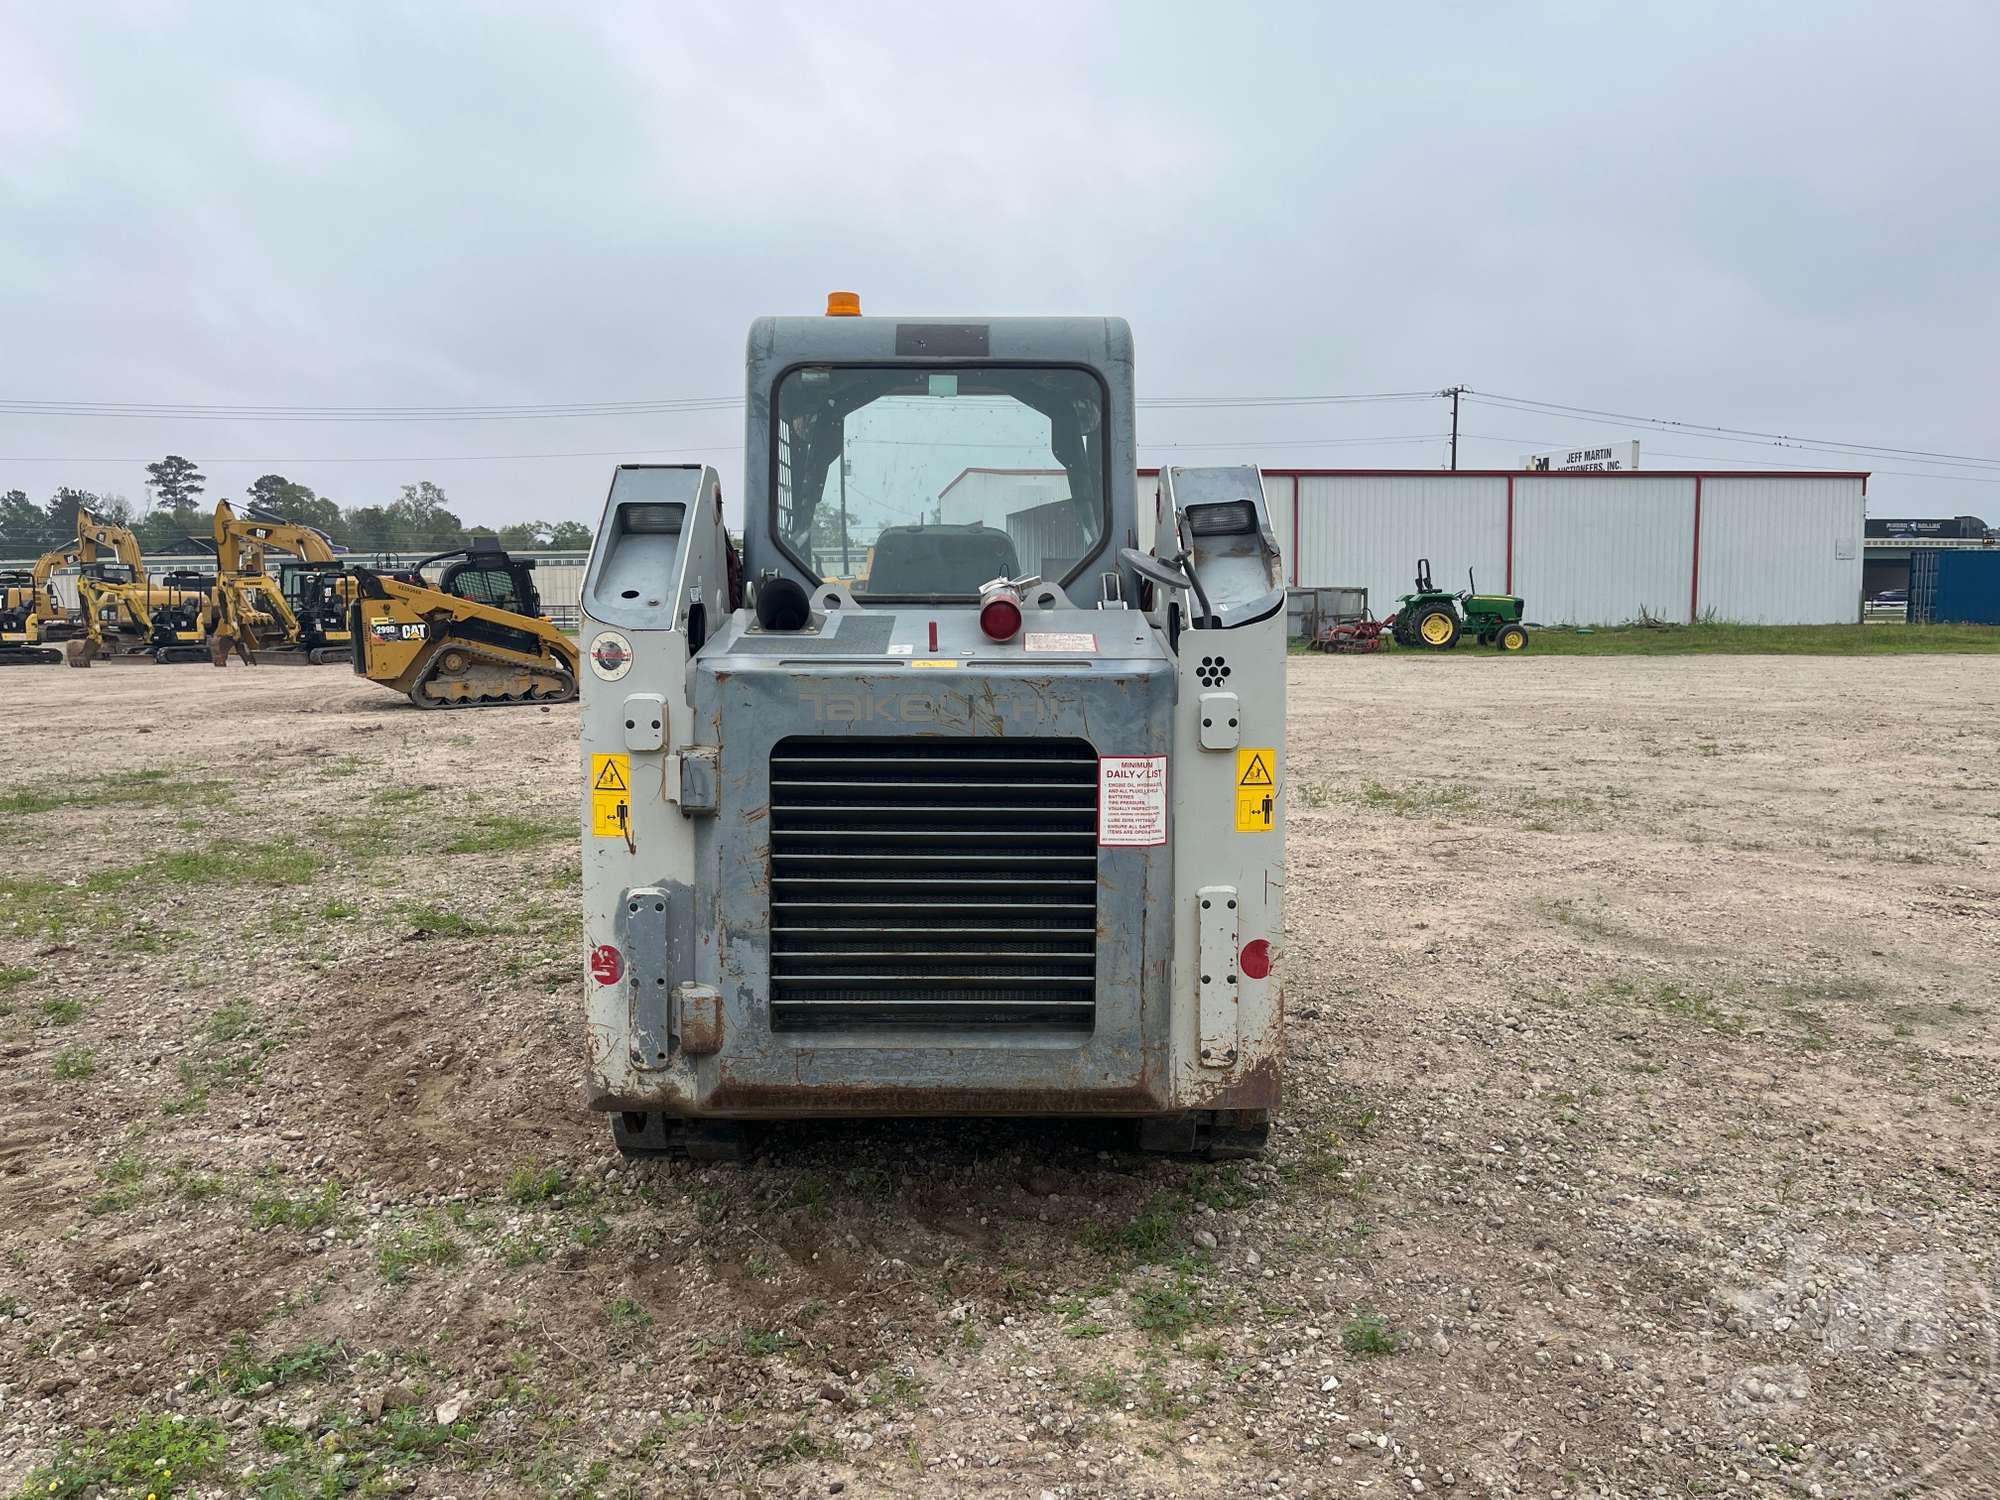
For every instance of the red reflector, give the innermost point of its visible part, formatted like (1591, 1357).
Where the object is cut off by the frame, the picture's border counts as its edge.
(1254, 962)
(607, 964)
(1000, 619)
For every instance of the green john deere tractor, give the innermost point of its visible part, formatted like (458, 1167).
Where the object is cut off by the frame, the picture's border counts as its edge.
(1435, 620)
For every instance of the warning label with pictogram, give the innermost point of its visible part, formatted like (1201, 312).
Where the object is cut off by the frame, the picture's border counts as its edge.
(611, 796)
(1256, 790)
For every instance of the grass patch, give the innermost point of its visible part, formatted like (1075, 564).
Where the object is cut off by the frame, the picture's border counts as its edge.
(1451, 799)
(527, 1185)
(1105, 1388)
(504, 834)
(764, 1342)
(440, 921)
(296, 1211)
(73, 1063)
(285, 863)
(1155, 1234)
(523, 1250)
(246, 1374)
(339, 911)
(1760, 640)
(13, 974)
(192, 1186)
(1169, 1310)
(121, 789)
(1368, 1336)
(231, 1022)
(627, 1316)
(153, 1455)
(124, 1180)
(428, 1244)
(194, 1079)
(62, 1012)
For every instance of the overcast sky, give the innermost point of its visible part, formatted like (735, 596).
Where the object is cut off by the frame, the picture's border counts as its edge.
(1776, 217)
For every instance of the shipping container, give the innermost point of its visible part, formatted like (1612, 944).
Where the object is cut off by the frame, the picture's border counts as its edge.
(1309, 611)
(1955, 588)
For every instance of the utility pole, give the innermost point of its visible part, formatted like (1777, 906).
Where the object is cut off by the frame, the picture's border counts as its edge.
(1454, 391)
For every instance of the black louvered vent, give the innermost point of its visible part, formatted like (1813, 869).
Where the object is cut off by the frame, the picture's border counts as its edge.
(933, 882)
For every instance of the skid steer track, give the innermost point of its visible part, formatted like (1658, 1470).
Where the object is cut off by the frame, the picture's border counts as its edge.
(488, 679)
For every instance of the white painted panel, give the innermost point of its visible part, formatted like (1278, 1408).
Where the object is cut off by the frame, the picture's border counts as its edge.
(1598, 550)
(1781, 551)
(1370, 529)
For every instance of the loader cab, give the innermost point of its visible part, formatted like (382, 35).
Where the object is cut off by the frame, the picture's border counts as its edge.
(912, 462)
(490, 577)
(318, 595)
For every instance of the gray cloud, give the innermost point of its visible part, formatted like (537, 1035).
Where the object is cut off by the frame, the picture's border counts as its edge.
(1776, 217)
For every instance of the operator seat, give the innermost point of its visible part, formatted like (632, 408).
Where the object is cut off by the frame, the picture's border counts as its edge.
(918, 560)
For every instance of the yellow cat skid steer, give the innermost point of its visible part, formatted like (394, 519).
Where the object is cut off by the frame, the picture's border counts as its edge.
(475, 640)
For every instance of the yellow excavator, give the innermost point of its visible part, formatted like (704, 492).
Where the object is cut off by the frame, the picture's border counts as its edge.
(248, 610)
(474, 639)
(120, 612)
(25, 598)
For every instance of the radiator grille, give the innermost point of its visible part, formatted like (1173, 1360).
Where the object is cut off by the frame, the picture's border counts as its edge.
(920, 881)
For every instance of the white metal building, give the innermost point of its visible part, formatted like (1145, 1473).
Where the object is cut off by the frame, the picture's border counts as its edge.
(1583, 548)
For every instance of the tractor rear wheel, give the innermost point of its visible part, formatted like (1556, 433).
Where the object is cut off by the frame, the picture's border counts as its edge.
(1436, 627)
(1513, 637)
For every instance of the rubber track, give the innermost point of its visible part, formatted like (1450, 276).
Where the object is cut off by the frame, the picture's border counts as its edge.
(503, 701)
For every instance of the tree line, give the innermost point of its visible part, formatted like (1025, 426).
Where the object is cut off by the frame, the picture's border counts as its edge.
(419, 519)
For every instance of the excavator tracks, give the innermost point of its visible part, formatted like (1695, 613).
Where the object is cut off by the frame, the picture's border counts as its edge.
(30, 656)
(466, 676)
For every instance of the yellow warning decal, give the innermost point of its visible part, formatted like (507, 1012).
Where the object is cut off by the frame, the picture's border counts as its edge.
(611, 796)
(1256, 790)
(933, 664)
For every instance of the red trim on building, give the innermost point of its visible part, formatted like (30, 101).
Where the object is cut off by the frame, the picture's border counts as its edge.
(1295, 531)
(1694, 587)
(1510, 533)
(1860, 474)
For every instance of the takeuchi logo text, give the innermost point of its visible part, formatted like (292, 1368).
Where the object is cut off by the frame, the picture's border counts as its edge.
(853, 705)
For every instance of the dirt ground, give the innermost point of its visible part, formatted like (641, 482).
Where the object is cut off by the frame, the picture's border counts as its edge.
(1641, 1136)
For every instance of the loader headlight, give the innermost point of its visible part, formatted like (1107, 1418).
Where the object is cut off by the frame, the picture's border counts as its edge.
(1232, 518)
(652, 520)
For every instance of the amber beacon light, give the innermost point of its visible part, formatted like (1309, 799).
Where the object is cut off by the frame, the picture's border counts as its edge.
(843, 304)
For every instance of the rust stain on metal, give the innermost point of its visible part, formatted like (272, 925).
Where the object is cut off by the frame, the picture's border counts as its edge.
(742, 1096)
(1257, 1086)
(701, 1022)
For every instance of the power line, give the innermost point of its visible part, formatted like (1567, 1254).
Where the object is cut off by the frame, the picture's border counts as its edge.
(1756, 463)
(1728, 434)
(439, 458)
(193, 412)
(1403, 437)
(538, 410)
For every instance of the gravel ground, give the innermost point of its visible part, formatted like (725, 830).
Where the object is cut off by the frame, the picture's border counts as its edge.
(1640, 1136)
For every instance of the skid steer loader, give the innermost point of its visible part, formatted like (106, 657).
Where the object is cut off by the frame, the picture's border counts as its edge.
(476, 639)
(995, 829)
